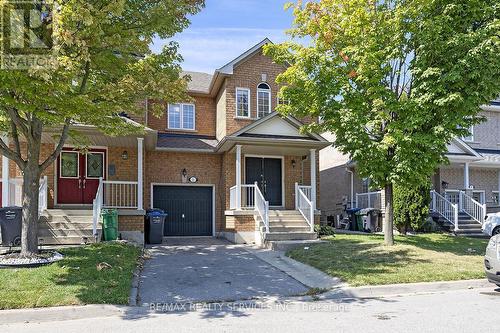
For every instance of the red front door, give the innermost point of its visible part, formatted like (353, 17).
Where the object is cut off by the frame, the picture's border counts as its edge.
(78, 175)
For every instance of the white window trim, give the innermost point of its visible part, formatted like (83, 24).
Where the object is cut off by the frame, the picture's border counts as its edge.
(268, 98)
(249, 103)
(181, 128)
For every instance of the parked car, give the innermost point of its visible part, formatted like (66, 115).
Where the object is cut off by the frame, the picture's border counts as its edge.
(492, 260)
(492, 224)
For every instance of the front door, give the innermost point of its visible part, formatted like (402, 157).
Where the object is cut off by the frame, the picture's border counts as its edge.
(267, 172)
(78, 175)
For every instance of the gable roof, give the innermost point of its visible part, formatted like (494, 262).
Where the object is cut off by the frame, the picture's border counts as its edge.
(273, 125)
(229, 67)
(458, 150)
(204, 83)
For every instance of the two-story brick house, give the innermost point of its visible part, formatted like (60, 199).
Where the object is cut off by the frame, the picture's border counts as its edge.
(221, 164)
(471, 181)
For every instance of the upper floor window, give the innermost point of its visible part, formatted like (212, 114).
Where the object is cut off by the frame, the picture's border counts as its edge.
(469, 137)
(281, 101)
(263, 100)
(243, 102)
(181, 116)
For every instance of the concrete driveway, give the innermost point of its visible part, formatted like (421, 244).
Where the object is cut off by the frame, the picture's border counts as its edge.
(209, 269)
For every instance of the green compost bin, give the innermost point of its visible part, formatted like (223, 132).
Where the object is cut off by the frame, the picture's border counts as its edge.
(110, 224)
(359, 219)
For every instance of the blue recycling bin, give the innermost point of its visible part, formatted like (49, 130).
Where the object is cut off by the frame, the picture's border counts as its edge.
(155, 221)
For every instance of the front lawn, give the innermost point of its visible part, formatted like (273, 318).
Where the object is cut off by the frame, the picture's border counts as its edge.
(364, 260)
(74, 280)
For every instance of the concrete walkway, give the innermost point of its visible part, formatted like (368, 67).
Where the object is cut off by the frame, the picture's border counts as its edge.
(209, 269)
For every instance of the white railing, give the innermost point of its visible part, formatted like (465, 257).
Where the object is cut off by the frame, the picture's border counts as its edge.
(261, 206)
(304, 205)
(447, 209)
(307, 190)
(119, 194)
(248, 196)
(471, 207)
(369, 200)
(42, 195)
(97, 205)
(247, 193)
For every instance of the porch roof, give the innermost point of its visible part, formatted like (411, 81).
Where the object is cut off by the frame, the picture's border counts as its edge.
(491, 158)
(186, 142)
(97, 138)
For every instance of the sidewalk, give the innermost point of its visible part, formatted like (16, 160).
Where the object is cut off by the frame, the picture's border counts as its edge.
(342, 295)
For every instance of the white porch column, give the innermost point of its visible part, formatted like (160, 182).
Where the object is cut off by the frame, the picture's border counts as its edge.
(238, 177)
(313, 177)
(140, 173)
(5, 176)
(466, 176)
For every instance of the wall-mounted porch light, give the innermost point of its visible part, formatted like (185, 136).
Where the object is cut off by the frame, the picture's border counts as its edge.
(125, 155)
(184, 172)
(294, 163)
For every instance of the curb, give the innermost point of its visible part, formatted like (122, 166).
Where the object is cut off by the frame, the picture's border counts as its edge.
(134, 290)
(392, 290)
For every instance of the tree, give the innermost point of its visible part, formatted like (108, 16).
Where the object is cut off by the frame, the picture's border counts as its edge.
(411, 206)
(102, 66)
(393, 80)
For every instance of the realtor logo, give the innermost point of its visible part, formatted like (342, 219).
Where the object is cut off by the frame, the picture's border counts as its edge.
(27, 34)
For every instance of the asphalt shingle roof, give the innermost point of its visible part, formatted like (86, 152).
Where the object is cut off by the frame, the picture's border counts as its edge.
(200, 82)
(186, 141)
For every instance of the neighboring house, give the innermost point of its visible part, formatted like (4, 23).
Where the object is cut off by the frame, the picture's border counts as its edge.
(222, 164)
(471, 180)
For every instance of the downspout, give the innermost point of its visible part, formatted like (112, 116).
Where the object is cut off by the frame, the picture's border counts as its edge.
(352, 186)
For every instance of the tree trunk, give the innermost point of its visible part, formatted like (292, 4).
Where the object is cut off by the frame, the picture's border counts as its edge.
(389, 216)
(29, 234)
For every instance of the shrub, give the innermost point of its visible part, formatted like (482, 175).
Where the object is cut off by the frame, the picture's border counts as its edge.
(411, 207)
(324, 230)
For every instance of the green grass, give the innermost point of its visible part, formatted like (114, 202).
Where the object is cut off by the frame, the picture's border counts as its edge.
(74, 280)
(364, 260)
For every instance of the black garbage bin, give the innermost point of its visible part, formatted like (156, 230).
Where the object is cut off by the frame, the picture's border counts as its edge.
(11, 225)
(155, 220)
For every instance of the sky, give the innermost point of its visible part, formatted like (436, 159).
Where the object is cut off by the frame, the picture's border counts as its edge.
(224, 29)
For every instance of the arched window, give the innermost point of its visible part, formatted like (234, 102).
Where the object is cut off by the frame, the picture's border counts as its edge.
(263, 100)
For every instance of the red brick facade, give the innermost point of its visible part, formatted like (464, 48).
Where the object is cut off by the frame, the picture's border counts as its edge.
(215, 116)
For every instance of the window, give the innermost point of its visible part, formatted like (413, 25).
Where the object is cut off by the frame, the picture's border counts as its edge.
(243, 102)
(263, 100)
(469, 137)
(181, 116)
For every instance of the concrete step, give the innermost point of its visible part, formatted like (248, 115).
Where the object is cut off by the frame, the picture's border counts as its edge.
(291, 244)
(68, 212)
(65, 225)
(66, 219)
(65, 240)
(472, 234)
(65, 232)
(278, 236)
(287, 220)
(283, 212)
(469, 226)
(288, 229)
(289, 224)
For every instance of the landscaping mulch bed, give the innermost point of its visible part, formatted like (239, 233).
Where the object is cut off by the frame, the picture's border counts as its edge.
(14, 259)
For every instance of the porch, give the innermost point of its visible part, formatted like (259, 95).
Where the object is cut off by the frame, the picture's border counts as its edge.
(80, 184)
(274, 194)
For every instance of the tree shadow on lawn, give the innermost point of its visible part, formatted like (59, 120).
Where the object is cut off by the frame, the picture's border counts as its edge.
(91, 285)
